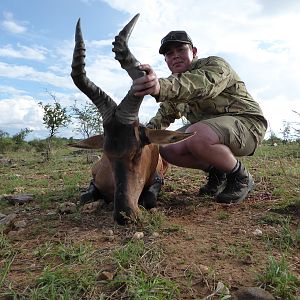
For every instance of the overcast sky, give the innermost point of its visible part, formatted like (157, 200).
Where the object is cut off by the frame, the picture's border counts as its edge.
(259, 38)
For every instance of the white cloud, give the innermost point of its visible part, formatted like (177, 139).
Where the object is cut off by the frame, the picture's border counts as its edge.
(11, 25)
(30, 74)
(10, 90)
(20, 112)
(23, 52)
(280, 109)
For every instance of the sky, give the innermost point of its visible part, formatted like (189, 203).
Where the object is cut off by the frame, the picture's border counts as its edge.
(259, 38)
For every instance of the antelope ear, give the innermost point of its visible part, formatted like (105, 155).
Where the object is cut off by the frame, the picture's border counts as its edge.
(157, 136)
(94, 142)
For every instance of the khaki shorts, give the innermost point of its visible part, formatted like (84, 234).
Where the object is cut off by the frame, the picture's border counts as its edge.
(234, 133)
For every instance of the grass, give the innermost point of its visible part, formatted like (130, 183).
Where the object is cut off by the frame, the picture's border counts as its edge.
(68, 252)
(240, 251)
(45, 262)
(7, 254)
(285, 237)
(150, 221)
(138, 273)
(279, 279)
(62, 283)
(74, 277)
(223, 216)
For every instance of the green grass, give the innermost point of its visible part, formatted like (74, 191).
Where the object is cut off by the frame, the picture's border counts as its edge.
(30, 175)
(138, 272)
(7, 256)
(68, 252)
(279, 279)
(63, 283)
(223, 216)
(6, 249)
(285, 237)
(70, 269)
(241, 251)
(150, 221)
(70, 272)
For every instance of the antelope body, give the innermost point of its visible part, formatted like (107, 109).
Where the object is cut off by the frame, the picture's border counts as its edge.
(130, 171)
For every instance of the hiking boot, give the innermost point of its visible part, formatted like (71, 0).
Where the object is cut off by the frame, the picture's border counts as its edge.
(92, 194)
(239, 184)
(216, 182)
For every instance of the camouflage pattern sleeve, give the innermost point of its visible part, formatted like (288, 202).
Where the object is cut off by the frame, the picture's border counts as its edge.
(166, 114)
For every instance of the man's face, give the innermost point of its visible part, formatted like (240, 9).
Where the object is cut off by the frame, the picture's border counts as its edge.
(179, 57)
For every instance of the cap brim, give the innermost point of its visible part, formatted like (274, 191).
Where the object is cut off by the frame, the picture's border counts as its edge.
(163, 48)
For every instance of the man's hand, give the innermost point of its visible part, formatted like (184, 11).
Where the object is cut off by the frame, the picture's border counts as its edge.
(146, 85)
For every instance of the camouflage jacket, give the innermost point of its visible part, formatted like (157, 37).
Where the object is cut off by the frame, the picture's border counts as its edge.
(210, 88)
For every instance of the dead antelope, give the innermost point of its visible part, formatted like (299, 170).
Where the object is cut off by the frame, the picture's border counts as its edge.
(130, 171)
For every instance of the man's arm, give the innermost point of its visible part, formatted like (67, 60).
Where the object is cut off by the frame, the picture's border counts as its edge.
(166, 114)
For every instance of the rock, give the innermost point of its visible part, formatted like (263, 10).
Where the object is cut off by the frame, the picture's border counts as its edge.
(51, 213)
(8, 220)
(204, 269)
(67, 208)
(90, 207)
(257, 232)
(16, 233)
(154, 235)
(221, 289)
(94, 158)
(110, 232)
(252, 293)
(109, 235)
(20, 224)
(2, 216)
(18, 199)
(106, 275)
(138, 235)
(110, 238)
(5, 161)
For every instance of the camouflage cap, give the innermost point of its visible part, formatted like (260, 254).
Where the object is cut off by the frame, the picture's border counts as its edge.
(178, 36)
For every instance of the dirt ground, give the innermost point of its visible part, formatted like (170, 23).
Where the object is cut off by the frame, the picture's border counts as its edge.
(203, 242)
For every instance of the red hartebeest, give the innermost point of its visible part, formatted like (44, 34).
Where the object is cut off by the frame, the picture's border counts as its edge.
(130, 171)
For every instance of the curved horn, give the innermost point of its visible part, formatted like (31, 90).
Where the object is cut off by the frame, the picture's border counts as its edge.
(104, 103)
(127, 111)
(122, 53)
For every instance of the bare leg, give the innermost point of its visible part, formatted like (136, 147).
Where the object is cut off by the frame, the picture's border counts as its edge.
(200, 151)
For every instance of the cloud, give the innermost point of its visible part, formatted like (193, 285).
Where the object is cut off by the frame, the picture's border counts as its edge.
(23, 52)
(20, 112)
(30, 74)
(9, 90)
(11, 25)
(277, 112)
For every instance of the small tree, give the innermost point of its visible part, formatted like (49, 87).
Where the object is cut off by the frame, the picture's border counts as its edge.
(89, 122)
(55, 117)
(297, 127)
(6, 142)
(89, 119)
(3, 134)
(19, 138)
(286, 131)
